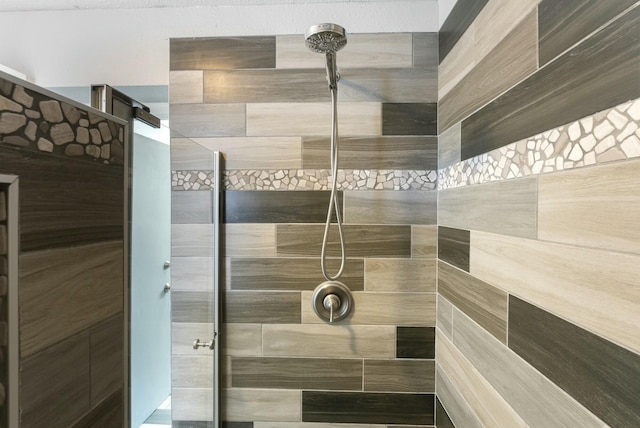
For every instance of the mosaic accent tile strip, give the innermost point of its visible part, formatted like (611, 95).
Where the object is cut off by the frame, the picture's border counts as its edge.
(308, 179)
(607, 136)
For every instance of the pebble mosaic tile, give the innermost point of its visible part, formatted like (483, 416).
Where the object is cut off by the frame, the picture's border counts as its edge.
(607, 136)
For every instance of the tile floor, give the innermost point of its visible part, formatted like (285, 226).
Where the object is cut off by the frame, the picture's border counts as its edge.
(161, 418)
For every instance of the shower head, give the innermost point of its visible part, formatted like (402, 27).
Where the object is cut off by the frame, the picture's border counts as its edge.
(325, 38)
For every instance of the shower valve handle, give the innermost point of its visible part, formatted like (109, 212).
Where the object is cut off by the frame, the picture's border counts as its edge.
(197, 344)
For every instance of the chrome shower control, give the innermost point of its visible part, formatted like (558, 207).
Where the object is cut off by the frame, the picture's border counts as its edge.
(197, 344)
(332, 301)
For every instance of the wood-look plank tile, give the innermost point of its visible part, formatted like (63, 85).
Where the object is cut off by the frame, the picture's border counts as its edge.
(609, 193)
(444, 316)
(249, 240)
(192, 371)
(241, 339)
(309, 119)
(235, 425)
(291, 274)
(367, 407)
(311, 425)
(536, 399)
(575, 283)
(424, 242)
(191, 207)
(184, 333)
(482, 302)
(562, 24)
(449, 146)
(257, 152)
(241, 404)
(442, 418)
(388, 85)
(599, 73)
(405, 309)
(390, 207)
(455, 66)
(192, 404)
(487, 404)
(192, 306)
(66, 394)
(409, 119)
(460, 18)
(186, 87)
(415, 342)
(192, 273)
(328, 341)
(191, 240)
(400, 375)
(377, 50)
(453, 247)
(297, 373)
(186, 154)
(384, 152)
(508, 63)
(209, 424)
(397, 275)
(508, 207)
(107, 358)
(78, 286)
(458, 409)
(261, 307)
(208, 120)
(425, 50)
(583, 364)
(277, 206)
(108, 413)
(222, 53)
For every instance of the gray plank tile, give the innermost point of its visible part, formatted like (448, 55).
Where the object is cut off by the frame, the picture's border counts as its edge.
(107, 358)
(425, 50)
(444, 312)
(390, 207)
(389, 85)
(222, 53)
(262, 307)
(191, 207)
(599, 73)
(400, 275)
(384, 152)
(400, 375)
(290, 274)
(277, 206)
(192, 273)
(297, 373)
(108, 413)
(415, 342)
(424, 242)
(256, 152)
(449, 146)
(192, 371)
(186, 87)
(564, 23)
(367, 407)
(460, 18)
(191, 240)
(442, 418)
(208, 120)
(409, 119)
(485, 304)
(298, 240)
(602, 376)
(459, 410)
(192, 306)
(268, 405)
(508, 63)
(453, 247)
(186, 154)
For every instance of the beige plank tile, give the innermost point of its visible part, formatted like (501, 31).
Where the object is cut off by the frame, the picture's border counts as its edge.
(191, 404)
(488, 405)
(507, 207)
(330, 341)
(191, 207)
(309, 425)
(595, 207)
(208, 120)
(598, 290)
(261, 404)
(192, 240)
(188, 155)
(444, 316)
(400, 309)
(399, 375)
(186, 87)
(424, 241)
(390, 207)
(382, 50)
(183, 334)
(457, 64)
(250, 240)
(308, 119)
(454, 403)
(537, 400)
(241, 340)
(192, 273)
(449, 146)
(192, 371)
(257, 152)
(78, 287)
(391, 275)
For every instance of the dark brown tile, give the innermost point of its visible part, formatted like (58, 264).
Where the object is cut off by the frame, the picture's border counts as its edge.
(267, 307)
(460, 18)
(484, 303)
(298, 240)
(601, 72)
(603, 377)
(109, 413)
(277, 206)
(409, 119)
(390, 152)
(453, 246)
(561, 24)
(290, 274)
(362, 407)
(442, 418)
(296, 373)
(192, 306)
(107, 358)
(416, 342)
(400, 375)
(222, 53)
(425, 50)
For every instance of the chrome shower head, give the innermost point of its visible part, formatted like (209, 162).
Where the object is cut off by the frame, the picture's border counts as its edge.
(326, 38)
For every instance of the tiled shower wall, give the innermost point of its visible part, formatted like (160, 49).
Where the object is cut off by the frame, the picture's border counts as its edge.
(264, 102)
(68, 161)
(538, 207)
